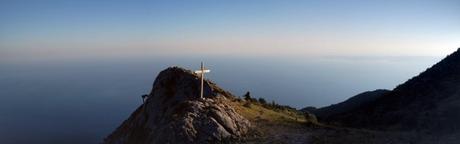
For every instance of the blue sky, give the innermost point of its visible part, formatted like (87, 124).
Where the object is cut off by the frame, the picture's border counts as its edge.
(37, 30)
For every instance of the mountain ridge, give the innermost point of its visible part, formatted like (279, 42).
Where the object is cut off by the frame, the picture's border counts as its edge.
(428, 101)
(349, 104)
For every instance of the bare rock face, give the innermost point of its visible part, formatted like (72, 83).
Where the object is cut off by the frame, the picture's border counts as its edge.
(174, 113)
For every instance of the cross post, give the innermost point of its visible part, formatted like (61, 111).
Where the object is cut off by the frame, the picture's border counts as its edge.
(201, 72)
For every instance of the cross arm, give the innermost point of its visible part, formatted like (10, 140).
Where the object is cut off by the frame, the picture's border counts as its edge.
(202, 71)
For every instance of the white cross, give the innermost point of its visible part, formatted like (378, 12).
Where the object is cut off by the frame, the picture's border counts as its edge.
(201, 72)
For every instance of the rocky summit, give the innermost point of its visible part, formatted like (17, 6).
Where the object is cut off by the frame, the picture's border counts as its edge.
(173, 112)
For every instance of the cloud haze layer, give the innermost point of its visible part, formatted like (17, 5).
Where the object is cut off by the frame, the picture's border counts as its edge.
(38, 30)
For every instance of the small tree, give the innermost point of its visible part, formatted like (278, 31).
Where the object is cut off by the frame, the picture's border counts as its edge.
(247, 96)
(311, 118)
(262, 101)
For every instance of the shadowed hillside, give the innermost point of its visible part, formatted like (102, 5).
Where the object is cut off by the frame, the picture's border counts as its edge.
(428, 102)
(350, 104)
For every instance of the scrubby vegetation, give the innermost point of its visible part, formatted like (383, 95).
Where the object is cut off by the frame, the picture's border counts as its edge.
(262, 102)
(261, 110)
(272, 122)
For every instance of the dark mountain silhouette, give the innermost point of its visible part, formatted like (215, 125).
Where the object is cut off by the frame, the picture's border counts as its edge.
(428, 102)
(349, 104)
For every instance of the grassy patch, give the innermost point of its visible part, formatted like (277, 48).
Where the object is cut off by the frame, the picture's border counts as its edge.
(255, 112)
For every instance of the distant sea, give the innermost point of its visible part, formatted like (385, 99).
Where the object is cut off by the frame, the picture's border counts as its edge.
(83, 101)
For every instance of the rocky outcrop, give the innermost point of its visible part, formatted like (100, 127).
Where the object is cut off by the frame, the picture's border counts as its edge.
(174, 113)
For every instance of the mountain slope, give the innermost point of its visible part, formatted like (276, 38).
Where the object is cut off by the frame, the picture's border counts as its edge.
(349, 104)
(427, 102)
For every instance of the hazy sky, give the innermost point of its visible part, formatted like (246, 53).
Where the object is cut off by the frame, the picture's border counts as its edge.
(80, 29)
